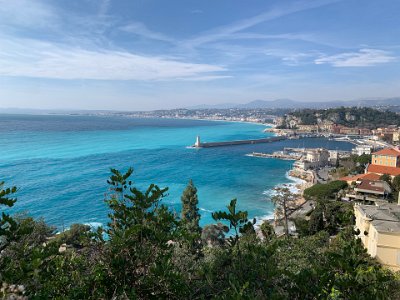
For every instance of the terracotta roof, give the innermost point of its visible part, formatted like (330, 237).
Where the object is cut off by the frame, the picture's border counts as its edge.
(383, 170)
(371, 176)
(373, 186)
(388, 152)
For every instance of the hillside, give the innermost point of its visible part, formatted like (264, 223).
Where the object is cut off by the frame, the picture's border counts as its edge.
(348, 116)
(384, 103)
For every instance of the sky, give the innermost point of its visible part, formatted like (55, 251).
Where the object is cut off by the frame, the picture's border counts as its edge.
(153, 54)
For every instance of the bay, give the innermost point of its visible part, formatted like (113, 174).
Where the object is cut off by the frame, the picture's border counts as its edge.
(61, 163)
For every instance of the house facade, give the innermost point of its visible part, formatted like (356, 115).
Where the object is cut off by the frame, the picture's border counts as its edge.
(379, 228)
(389, 157)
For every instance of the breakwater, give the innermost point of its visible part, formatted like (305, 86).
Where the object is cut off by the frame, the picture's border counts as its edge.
(199, 144)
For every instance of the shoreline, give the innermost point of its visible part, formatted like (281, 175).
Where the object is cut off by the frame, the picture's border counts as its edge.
(295, 185)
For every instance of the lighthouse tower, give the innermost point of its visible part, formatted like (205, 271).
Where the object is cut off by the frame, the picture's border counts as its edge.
(198, 143)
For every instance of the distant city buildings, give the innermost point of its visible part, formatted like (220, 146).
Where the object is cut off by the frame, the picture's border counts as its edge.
(316, 158)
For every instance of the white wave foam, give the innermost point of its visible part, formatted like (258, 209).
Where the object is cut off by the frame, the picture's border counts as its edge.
(292, 186)
(261, 219)
(207, 210)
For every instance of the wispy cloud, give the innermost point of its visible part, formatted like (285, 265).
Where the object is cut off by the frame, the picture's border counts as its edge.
(141, 30)
(26, 13)
(206, 78)
(226, 31)
(362, 58)
(45, 60)
(104, 7)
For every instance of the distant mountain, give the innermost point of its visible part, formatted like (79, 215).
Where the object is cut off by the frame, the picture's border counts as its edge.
(216, 106)
(292, 104)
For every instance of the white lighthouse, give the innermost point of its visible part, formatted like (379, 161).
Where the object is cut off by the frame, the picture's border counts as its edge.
(198, 143)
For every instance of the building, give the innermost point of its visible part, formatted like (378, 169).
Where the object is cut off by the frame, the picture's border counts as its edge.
(333, 157)
(389, 157)
(379, 228)
(308, 128)
(396, 136)
(318, 157)
(358, 178)
(314, 158)
(381, 170)
(385, 161)
(370, 190)
(362, 149)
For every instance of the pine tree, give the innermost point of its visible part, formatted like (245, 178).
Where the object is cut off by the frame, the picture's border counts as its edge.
(190, 210)
(285, 205)
(7, 223)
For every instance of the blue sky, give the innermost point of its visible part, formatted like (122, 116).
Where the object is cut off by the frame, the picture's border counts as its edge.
(148, 54)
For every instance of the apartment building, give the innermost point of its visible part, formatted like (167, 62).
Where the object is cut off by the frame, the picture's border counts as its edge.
(389, 157)
(379, 228)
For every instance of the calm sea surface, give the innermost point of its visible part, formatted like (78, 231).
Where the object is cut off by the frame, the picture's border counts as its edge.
(61, 163)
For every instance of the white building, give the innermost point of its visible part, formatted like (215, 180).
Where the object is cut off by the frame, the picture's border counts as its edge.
(313, 158)
(362, 149)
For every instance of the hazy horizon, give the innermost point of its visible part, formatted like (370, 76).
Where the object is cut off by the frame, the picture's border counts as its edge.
(147, 55)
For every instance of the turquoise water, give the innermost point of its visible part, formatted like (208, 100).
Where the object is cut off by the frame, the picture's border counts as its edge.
(61, 163)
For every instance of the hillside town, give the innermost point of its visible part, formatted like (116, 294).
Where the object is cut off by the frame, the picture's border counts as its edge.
(371, 187)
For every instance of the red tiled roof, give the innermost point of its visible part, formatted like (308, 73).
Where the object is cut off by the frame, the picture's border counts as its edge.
(388, 152)
(371, 176)
(373, 186)
(383, 170)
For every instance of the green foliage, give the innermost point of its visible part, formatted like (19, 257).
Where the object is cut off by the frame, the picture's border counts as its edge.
(138, 256)
(363, 159)
(214, 234)
(267, 230)
(331, 216)
(7, 223)
(190, 218)
(325, 191)
(396, 183)
(237, 221)
(349, 116)
(285, 205)
(78, 236)
(316, 223)
(302, 226)
(144, 256)
(387, 178)
(190, 210)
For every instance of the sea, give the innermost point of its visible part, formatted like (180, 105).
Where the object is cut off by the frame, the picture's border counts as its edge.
(61, 163)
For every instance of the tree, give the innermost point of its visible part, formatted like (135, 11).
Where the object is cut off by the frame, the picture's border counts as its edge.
(285, 202)
(324, 191)
(387, 178)
(396, 183)
(267, 230)
(190, 210)
(237, 221)
(316, 222)
(7, 223)
(214, 234)
(142, 232)
(364, 159)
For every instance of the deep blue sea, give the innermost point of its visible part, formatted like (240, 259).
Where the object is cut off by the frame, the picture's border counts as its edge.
(61, 163)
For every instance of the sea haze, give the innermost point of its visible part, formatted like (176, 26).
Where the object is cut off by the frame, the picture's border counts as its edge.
(61, 163)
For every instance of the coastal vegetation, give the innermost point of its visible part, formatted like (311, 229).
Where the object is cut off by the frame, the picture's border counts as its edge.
(147, 251)
(348, 116)
(325, 191)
